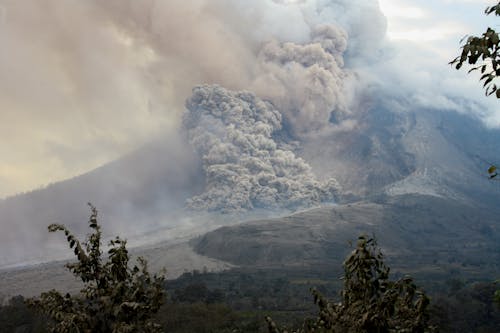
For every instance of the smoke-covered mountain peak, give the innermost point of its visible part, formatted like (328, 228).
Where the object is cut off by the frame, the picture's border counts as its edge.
(246, 167)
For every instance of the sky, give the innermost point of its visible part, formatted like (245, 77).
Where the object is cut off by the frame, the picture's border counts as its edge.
(436, 23)
(83, 83)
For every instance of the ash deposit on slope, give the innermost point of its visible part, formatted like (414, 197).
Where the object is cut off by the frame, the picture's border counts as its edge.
(245, 166)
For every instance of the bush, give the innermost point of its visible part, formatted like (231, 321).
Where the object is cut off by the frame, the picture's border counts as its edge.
(115, 297)
(370, 302)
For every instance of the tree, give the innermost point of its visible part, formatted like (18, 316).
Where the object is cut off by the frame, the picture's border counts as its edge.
(115, 297)
(370, 302)
(483, 52)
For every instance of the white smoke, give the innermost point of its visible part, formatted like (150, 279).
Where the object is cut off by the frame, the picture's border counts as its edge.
(245, 167)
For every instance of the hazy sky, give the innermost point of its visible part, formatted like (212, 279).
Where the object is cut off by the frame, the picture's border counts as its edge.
(84, 82)
(436, 23)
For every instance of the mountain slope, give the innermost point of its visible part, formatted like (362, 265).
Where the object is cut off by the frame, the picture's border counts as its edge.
(142, 191)
(418, 234)
(388, 153)
(428, 152)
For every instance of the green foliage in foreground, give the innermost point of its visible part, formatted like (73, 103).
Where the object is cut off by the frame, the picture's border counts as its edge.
(483, 52)
(115, 298)
(370, 302)
(238, 300)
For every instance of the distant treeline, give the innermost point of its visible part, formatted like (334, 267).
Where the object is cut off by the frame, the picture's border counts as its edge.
(239, 300)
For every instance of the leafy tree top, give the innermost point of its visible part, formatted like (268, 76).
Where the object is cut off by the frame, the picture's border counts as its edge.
(370, 302)
(115, 297)
(483, 53)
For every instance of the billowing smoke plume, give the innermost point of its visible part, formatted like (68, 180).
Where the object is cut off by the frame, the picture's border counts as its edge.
(307, 81)
(101, 78)
(245, 166)
(87, 81)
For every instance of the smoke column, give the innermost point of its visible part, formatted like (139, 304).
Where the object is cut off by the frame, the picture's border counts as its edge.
(245, 167)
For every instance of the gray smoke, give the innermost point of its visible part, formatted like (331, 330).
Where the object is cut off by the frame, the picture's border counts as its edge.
(88, 81)
(101, 78)
(85, 82)
(245, 166)
(234, 132)
(308, 80)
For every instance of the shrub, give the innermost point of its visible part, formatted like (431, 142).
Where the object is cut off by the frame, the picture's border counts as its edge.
(115, 298)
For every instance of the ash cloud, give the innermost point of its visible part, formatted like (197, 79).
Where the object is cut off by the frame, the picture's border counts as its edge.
(84, 82)
(307, 81)
(106, 77)
(246, 168)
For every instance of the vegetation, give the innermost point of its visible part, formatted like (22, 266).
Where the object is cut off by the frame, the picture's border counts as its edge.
(16, 316)
(115, 297)
(466, 308)
(459, 306)
(483, 53)
(370, 302)
(118, 299)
